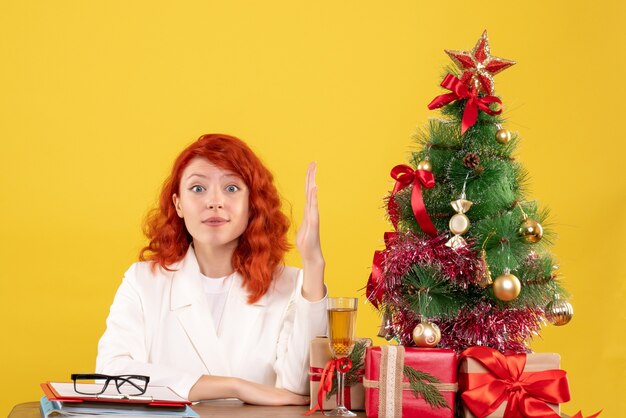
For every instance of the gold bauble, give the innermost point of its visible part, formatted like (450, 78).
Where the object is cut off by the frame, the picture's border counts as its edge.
(531, 230)
(506, 287)
(503, 136)
(425, 165)
(426, 334)
(559, 312)
(459, 224)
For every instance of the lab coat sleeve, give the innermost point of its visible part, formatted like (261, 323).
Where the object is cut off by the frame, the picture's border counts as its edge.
(303, 321)
(123, 348)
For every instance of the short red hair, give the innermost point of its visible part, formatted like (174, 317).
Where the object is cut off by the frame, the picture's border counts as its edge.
(261, 248)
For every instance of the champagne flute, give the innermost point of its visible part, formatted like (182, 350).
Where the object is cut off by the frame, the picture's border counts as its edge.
(342, 324)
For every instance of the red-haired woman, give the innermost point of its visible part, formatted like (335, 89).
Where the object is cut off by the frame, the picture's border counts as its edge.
(210, 310)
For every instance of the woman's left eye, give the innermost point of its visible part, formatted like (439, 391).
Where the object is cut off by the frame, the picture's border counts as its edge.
(232, 188)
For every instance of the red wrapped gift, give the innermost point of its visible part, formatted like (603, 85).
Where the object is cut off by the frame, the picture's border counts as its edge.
(353, 396)
(518, 385)
(388, 392)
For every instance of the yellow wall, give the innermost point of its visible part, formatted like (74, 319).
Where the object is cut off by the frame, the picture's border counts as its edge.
(97, 97)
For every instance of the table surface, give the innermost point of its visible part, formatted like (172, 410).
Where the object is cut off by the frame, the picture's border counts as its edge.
(223, 408)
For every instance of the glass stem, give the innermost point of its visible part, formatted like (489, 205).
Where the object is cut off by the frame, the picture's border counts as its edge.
(340, 384)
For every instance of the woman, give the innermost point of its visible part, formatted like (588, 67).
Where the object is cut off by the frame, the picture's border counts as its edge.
(210, 310)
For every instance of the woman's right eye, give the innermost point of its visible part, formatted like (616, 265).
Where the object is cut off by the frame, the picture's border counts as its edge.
(197, 189)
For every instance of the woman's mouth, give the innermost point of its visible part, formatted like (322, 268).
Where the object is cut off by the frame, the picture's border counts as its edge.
(215, 221)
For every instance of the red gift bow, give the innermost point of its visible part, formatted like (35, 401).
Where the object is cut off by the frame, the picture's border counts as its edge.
(343, 364)
(460, 91)
(405, 175)
(316, 372)
(526, 394)
(374, 289)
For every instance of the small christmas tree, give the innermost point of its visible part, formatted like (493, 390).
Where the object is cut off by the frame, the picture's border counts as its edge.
(467, 263)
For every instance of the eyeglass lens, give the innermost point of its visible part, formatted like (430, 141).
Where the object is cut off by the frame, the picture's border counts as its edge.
(97, 384)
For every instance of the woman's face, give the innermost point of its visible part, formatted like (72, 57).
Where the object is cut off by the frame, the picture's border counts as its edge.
(213, 203)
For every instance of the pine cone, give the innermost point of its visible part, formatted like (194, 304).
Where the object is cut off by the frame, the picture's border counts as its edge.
(471, 160)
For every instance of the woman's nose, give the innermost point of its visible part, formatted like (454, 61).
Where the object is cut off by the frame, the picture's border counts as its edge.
(215, 200)
(215, 205)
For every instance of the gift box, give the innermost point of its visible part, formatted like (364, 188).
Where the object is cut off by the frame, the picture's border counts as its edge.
(518, 385)
(353, 395)
(390, 390)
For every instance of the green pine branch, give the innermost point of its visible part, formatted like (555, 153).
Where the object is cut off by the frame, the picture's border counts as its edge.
(429, 294)
(422, 386)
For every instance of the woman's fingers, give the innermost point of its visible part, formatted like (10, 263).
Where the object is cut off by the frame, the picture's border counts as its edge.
(308, 236)
(313, 216)
(310, 185)
(307, 190)
(310, 188)
(307, 184)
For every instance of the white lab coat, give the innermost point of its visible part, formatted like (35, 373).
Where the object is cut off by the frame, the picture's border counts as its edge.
(160, 325)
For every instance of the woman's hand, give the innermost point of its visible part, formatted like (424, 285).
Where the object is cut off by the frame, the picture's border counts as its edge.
(258, 394)
(221, 387)
(308, 242)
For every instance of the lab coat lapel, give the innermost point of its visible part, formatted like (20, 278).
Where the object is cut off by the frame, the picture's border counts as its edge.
(189, 301)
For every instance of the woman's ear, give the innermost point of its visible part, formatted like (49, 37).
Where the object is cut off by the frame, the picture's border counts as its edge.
(176, 201)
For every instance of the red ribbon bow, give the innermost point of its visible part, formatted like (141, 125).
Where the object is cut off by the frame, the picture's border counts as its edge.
(526, 393)
(343, 364)
(459, 92)
(405, 175)
(374, 290)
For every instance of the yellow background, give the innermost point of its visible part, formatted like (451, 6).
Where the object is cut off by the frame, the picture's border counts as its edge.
(98, 97)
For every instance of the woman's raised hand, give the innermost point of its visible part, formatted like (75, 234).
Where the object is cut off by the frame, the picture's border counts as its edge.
(308, 237)
(308, 242)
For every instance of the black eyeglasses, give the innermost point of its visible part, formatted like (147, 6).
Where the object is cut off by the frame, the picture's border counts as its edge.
(131, 385)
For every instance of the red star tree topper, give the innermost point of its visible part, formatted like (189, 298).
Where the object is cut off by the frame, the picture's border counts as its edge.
(479, 66)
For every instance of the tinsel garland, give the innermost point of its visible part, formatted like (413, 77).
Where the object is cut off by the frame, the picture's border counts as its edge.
(460, 266)
(505, 330)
